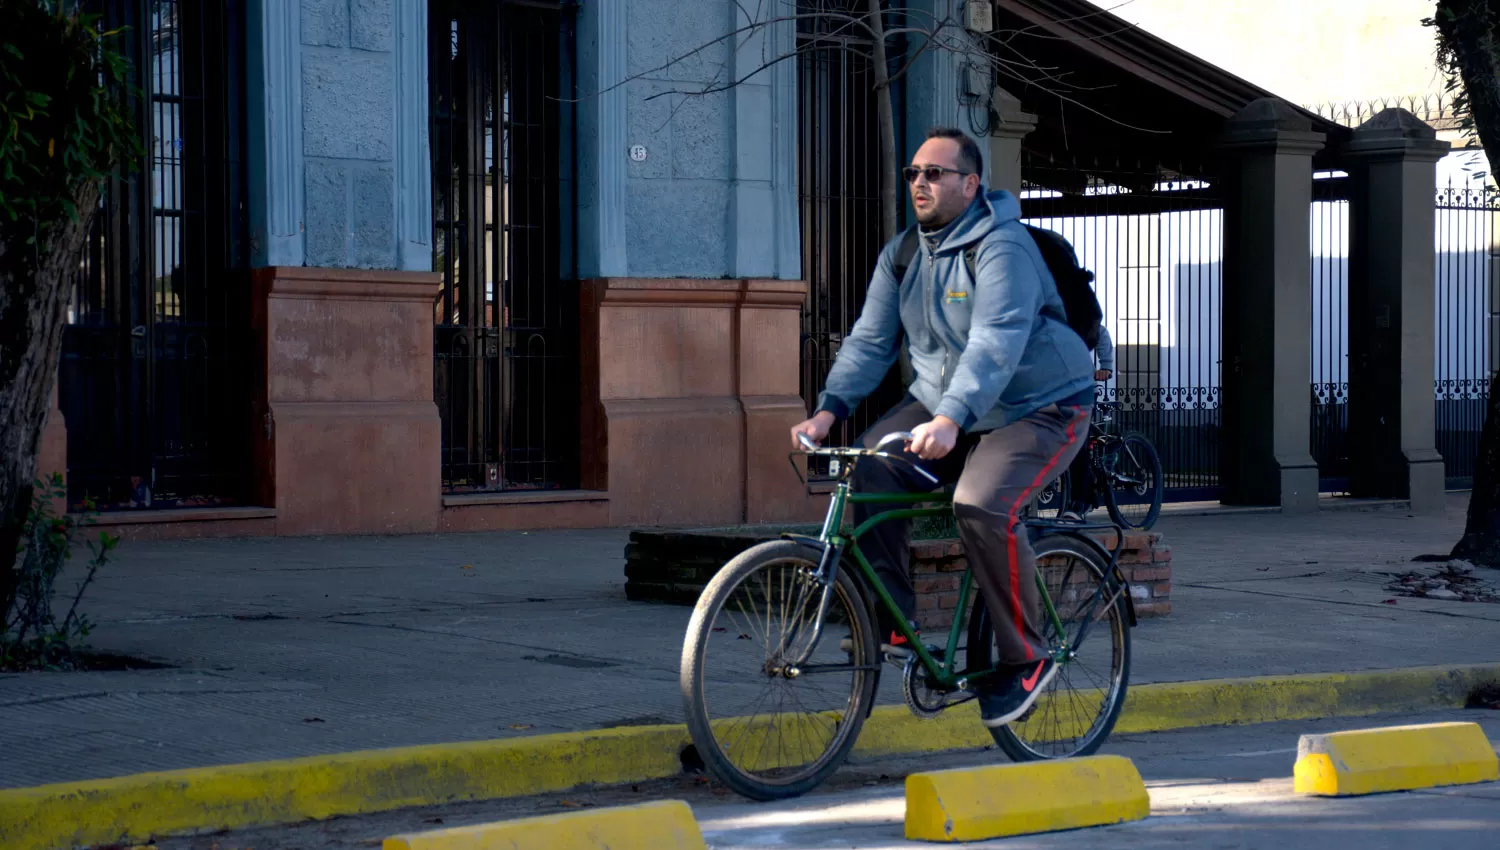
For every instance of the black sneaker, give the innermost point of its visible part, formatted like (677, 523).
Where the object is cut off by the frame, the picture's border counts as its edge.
(1010, 698)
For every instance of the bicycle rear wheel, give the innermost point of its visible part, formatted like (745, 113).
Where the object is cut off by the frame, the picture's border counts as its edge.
(766, 732)
(1078, 709)
(1133, 470)
(1052, 500)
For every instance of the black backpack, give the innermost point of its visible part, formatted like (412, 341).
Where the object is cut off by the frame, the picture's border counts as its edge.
(1074, 283)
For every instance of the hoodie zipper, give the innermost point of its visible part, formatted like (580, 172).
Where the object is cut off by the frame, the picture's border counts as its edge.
(931, 299)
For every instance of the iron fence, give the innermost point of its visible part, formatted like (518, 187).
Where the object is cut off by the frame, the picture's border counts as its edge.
(1465, 245)
(506, 318)
(155, 375)
(839, 183)
(1329, 278)
(1154, 239)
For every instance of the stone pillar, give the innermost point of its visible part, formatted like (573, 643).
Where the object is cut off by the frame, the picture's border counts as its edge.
(413, 151)
(1013, 126)
(1392, 160)
(1493, 363)
(1267, 308)
(347, 435)
(602, 145)
(277, 167)
(769, 372)
(663, 428)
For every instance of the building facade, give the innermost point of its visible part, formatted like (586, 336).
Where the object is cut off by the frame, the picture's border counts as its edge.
(398, 266)
(410, 265)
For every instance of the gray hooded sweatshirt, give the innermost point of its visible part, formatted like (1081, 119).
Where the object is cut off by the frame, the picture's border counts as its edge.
(985, 352)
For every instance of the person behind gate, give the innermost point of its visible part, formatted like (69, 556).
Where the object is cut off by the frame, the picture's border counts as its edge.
(998, 403)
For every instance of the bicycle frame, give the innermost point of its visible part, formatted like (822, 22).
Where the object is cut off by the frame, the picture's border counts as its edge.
(834, 544)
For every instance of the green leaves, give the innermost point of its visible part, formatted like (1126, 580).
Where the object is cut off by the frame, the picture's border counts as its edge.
(32, 635)
(64, 113)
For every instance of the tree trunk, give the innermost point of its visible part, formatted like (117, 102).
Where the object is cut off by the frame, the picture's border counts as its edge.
(1469, 28)
(887, 124)
(34, 296)
(1481, 541)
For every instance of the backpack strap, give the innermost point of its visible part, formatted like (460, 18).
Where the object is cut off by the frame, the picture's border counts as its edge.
(905, 253)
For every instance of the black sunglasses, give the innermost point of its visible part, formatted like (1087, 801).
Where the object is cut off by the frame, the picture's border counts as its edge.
(933, 173)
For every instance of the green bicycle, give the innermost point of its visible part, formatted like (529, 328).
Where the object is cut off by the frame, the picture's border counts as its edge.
(781, 661)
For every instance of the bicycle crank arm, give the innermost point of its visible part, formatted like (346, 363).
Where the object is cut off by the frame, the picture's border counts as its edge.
(794, 671)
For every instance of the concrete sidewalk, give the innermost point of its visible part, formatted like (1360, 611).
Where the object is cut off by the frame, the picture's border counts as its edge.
(288, 647)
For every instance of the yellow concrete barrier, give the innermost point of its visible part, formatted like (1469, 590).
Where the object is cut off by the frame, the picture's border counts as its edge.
(666, 825)
(1395, 758)
(974, 804)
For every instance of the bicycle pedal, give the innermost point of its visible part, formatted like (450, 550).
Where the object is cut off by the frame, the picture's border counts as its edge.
(896, 654)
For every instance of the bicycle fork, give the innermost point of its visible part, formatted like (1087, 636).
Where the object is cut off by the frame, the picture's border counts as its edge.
(826, 576)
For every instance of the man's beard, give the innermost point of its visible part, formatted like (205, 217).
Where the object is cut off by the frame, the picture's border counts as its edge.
(934, 218)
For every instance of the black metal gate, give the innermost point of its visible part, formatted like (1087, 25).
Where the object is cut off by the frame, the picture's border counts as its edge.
(1465, 246)
(154, 381)
(506, 319)
(1153, 237)
(839, 182)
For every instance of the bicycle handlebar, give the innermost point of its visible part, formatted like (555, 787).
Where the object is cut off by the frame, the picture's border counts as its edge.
(902, 437)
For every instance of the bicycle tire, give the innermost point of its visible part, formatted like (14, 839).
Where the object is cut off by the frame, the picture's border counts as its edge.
(982, 656)
(694, 677)
(1141, 449)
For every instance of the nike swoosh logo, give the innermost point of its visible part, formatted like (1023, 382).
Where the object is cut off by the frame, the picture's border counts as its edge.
(1030, 681)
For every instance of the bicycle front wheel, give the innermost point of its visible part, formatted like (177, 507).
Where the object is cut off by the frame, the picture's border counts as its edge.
(1135, 488)
(1079, 707)
(767, 727)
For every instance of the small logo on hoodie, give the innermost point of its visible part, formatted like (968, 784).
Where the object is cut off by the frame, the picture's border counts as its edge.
(952, 297)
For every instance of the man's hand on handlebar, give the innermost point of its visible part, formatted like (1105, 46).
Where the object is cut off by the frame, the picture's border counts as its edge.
(814, 429)
(935, 439)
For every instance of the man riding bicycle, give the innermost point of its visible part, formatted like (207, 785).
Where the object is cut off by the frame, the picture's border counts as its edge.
(998, 405)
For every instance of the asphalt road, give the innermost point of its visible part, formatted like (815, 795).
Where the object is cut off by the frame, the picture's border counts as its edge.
(1216, 789)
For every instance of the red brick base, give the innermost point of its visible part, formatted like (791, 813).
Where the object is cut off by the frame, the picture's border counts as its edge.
(938, 565)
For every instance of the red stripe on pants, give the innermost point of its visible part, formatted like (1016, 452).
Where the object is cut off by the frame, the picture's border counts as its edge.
(1017, 617)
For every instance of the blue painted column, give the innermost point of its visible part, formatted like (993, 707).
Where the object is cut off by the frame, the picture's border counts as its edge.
(413, 163)
(784, 201)
(932, 84)
(276, 162)
(764, 236)
(602, 149)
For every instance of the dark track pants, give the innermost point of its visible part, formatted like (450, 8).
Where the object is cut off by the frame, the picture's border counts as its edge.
(997, 473)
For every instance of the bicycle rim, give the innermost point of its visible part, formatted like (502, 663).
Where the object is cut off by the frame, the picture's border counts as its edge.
(1135, 485)
(1077, 711)
(1052, 500)
(764, 735)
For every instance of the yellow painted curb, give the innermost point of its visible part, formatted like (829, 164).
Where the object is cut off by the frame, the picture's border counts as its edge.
(892, 730)
(1394, 758)
(132, 809)
(665, 825)
(979, 803)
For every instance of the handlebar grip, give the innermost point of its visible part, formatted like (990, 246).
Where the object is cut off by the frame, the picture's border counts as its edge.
(806, 441)
(895, 437)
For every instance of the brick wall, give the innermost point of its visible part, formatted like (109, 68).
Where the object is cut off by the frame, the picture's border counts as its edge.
(938, 565)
